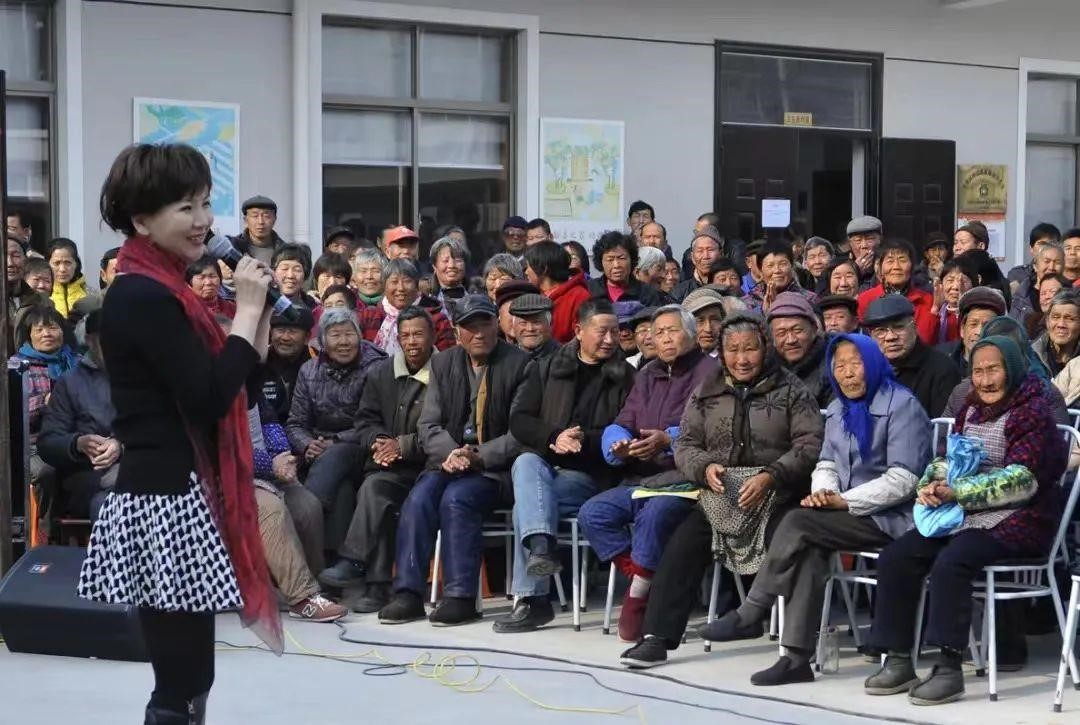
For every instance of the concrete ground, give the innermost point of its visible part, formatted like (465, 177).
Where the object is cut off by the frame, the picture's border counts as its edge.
(255, 687)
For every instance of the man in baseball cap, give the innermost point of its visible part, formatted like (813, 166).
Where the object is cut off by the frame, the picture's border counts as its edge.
(465, 431)
(929, 374)
(400, 243)
(288, 351)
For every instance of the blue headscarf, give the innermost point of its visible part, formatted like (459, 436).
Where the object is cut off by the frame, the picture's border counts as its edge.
(1010, 328)
(879, 376)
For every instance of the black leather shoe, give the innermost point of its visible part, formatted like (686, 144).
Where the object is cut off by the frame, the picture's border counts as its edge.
(454, 611)
(405, 607)
(375, 597)
(942, 686)
(784, 672)
(342, 575)
(895, 676)
(729, 628)
(160, 716)
(649, 652)
(529, 614)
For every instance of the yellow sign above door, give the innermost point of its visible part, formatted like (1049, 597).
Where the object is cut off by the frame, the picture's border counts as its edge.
(798, 119)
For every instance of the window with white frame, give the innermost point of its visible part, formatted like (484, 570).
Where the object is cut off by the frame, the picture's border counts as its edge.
(1053, 142)
(26, 57)
(416, 129)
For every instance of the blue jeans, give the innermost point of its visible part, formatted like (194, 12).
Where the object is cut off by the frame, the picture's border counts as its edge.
(542, 495)
(457, 505)
(615, 522)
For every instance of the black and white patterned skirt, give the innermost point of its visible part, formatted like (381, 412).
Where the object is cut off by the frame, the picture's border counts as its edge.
(159, 551)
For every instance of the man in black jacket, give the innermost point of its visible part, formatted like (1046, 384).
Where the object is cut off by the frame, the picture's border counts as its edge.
(796, 333)
(567, 402)
(288, 352)
(532, 326)
(464, 429)
(389, 410)
(930, 375)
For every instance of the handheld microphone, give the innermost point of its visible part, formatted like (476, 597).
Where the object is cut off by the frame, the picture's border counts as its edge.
(221, 248)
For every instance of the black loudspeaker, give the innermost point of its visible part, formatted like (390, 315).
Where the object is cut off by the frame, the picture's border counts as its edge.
(41, 612)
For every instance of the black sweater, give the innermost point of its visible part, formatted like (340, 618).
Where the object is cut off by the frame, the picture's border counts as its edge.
(161, 374)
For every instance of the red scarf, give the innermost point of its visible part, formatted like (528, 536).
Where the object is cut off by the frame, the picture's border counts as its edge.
(228, 482)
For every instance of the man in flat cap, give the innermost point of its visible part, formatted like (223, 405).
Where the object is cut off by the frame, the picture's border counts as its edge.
(863, 237)
(508, 292)
(839, 313)
(977, 306)
(531, 315)
(707, 307)
(929, 374)
(259, 239)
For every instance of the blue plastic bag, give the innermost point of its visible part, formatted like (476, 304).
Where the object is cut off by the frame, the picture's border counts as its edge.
(964, 455)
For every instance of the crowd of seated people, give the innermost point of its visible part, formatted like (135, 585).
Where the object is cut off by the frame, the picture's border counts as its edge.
(759, 406)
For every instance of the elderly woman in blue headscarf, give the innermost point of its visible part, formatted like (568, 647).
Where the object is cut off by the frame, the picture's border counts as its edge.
(877, 443)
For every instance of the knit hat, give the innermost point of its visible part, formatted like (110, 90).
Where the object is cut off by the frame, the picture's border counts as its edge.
(511, 289)
(643, 315)
(700, 299)
(983, 297)
(708, 233)
(1016, 364)
(626, 310)
(530, 304)
(864, 225)
(886, 309)
(792, 304)
(259, 202)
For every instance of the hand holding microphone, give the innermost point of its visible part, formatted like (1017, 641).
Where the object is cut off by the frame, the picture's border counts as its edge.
(221, 248)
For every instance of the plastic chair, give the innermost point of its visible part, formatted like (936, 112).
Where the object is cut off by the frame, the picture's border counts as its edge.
(1068, 643)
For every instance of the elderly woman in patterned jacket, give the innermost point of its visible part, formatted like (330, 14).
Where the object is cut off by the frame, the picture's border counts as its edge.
(1010, 509)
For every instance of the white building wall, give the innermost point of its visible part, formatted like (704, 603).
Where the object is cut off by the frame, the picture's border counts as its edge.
(187, 54)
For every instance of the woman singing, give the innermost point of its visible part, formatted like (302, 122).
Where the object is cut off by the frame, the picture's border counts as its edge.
(178, 536)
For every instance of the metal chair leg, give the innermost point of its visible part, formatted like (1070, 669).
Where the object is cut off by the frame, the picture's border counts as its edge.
(584, 578)
(560, 591)
(991, 603)
(780, 616)
(714, 597)
(609, 602)
(773, 625)
(849, 604)
(435, 568)
(1068, 643)
(826, 607)
(575, 564)
(1074, 671)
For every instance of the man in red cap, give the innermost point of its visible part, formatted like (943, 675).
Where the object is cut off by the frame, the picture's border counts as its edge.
(401, 243)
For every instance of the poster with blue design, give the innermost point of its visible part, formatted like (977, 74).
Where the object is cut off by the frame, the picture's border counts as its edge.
(213, 129)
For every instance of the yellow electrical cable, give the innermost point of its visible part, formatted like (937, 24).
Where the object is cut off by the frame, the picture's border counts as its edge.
(445, 667)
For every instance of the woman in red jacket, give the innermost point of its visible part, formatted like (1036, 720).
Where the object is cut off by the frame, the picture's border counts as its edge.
(548, 267)
(894, 265)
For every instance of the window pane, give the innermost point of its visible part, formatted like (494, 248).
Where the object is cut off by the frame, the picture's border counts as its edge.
(367, 62)
(367, 138)
(367, 198)
(464, 178)
(1051, 186)
(463, 67)
(464, 141)
(28, 148)
(762, 88)
(24, 41)
(1052, 106)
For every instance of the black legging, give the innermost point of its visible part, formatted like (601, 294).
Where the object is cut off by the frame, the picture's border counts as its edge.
(181, 647)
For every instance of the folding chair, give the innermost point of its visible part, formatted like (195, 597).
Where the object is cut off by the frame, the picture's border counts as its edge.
(1068, 643)
(776, 615)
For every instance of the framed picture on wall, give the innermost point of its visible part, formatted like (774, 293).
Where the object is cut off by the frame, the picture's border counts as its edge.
(212, 128)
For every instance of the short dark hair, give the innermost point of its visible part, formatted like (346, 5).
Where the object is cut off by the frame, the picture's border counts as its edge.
(712, 218)
(539, 223)
(896, 245)
(68, 244)
(294, 253)
(549, 259)
(1043, 230)
(1071, 234)
(145, 178)
(640, 205)
(576, 248)
(343, 289)
(34, 265)
(612, 240)
(963, 266)
(775, 246)
(34, 315)
(201, 265)
(593, 307)
(1065, 281)
(20, 214)
(415, 313)
(110, 255)
(333, 264)
(723, 264)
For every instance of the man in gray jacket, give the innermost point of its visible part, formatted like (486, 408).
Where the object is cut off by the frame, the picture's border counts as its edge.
(464, 429)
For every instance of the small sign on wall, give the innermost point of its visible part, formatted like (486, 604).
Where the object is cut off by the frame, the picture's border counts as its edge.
(798, 119)
(982, 194)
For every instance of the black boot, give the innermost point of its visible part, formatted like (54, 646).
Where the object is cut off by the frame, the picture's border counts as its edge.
(542, 562)
(406, 606)
(197, 709)
(156, 715)
(529, 614)
(945, 683)
(453, 611)
(895, 676)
